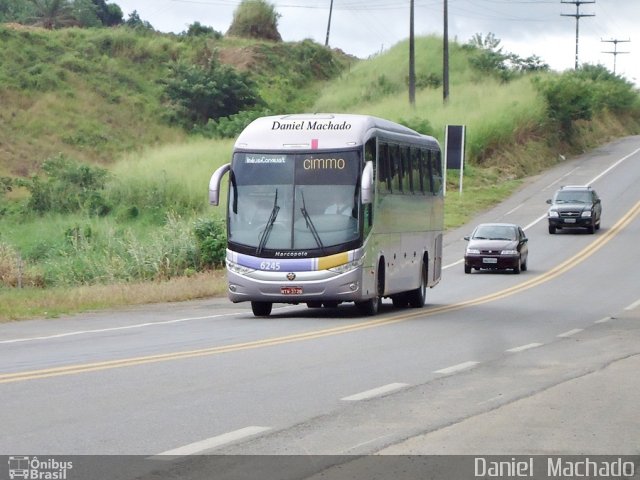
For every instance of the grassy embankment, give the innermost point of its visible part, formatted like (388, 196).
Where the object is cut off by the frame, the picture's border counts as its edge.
(159, 192)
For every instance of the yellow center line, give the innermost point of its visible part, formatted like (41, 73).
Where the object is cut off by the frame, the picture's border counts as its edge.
(533, 282)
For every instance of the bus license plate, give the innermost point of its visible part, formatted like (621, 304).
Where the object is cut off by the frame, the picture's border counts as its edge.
(489, 260)
(291, 290)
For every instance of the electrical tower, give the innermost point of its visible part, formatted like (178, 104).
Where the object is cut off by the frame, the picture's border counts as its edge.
(615, 52)
(577, 16)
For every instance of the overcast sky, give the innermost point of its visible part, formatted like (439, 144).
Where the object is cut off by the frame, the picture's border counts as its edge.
(365, 27)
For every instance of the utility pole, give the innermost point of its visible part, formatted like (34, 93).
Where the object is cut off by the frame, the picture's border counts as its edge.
(326, 42)
(615, 50)
(445, 55)
(412, 60)
(577, 16)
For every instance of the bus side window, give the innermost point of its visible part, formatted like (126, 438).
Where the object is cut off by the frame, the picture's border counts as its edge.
(383, 173)
(426, 171)
(416, 178)
(437, 172)
(396, 168)
(407, 173)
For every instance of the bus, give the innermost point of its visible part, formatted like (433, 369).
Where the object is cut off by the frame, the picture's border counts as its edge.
(330, 208)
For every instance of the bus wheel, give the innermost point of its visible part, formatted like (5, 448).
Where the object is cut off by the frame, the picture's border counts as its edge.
(369, 307)
(417, 297)
(261, 309)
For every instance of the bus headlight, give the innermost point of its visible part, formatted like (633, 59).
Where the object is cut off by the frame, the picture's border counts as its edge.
(347, 267)
(239, 269)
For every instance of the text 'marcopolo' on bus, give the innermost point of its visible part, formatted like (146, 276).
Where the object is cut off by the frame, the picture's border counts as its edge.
(331, 208)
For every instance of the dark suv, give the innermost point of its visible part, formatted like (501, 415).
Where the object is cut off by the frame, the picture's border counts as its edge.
(575, 206)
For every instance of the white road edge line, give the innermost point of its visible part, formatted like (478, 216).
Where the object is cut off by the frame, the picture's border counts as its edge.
(457, 368)
(375, 392)
(124, 327)
(633, 306)
(522, 348)
(214, 442)
(603, 320)
(570, 332)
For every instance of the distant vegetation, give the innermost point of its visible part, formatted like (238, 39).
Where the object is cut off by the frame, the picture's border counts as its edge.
(109, 135)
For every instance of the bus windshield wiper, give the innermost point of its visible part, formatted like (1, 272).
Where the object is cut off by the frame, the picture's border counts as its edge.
(310, 224)
(267, 229)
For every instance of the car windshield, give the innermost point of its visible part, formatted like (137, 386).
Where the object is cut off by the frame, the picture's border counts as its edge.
(575, 196)
(495, 232)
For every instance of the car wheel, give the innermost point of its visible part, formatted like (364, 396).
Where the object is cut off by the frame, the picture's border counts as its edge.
(591, 228)
(524, 265)
(518, 266)
(467, 268)
(552, 229)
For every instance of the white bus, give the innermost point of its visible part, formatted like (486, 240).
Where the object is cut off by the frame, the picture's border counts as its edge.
(331, 208)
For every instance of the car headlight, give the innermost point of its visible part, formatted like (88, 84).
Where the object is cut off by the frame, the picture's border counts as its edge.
(473, 251)
(553, 213)
(239, 269)
(586, 214)
(509, 252)
(347, 267)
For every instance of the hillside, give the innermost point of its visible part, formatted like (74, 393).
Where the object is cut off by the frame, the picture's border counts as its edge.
(94, 94)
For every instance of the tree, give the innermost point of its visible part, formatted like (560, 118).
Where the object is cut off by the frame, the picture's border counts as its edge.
(196, 29)
(109, 14)
(488, 57)
(199, 93)
(134, 21)
(15, 11)
(52, 14)
(255, 19)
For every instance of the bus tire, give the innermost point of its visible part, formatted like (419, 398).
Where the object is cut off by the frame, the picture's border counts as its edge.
(369, 307)
(418, 296)
(261, 309)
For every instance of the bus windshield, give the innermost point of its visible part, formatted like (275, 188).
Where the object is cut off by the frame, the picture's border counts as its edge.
(296, 201)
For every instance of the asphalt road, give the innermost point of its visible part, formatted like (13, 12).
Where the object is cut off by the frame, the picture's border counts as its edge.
(544, 362)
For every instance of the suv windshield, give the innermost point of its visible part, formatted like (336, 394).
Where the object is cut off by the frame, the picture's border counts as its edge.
(573, 196)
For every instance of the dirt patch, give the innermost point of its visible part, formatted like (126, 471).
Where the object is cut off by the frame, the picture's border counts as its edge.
(242, 58)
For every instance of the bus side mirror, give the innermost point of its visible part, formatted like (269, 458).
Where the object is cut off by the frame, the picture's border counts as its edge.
(214, 184)
(366, 184)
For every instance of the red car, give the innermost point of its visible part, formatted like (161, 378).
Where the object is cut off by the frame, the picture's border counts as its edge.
(496, 246)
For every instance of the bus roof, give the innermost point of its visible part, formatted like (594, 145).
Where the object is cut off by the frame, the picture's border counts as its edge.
(318, 131)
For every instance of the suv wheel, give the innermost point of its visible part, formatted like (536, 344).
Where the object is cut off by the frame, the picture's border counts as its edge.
(552, 229)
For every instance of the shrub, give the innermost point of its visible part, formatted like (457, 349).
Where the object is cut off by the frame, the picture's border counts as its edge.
(198, 93)
(211, 240)
(255, 19)
(69, 187)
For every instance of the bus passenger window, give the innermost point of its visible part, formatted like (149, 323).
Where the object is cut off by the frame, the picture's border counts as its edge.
(395, 163)
(418, 169)
(426, 171)
(416, 181)
(384, 176)
(407, 184)
(436, 172)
